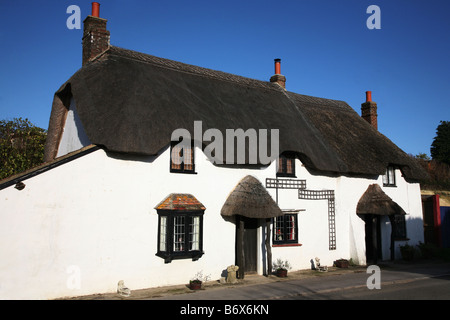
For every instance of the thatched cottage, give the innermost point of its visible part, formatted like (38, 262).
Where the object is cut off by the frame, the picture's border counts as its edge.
(111, 202)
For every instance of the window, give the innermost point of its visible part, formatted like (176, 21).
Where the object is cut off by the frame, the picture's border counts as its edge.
(180, 234)
(389, 177)
(399, 227)
(285, 229)
(180, 227)
(286, 165)
(182, 157)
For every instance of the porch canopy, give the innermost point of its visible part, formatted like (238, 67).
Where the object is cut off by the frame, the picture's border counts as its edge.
(250, 199)
(375, 201)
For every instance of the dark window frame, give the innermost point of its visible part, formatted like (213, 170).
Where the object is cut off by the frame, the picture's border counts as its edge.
(170, 252)
(389, 177)
(182, 165)
(281, 234)
(283, 160)
(399, 231)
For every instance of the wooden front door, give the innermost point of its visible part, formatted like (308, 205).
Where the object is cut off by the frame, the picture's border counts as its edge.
(373, 238)
(246, 245)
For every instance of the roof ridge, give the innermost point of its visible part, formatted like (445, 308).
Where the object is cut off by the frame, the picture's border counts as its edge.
(190, 68)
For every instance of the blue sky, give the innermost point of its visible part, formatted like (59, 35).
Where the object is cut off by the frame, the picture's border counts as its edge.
(325, 46)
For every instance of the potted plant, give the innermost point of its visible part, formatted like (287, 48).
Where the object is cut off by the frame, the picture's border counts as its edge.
(196, 282)
(341, 263)
(281, 267)
(407, 252)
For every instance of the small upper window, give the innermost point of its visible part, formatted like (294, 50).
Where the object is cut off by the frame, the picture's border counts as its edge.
(182, 157)
(286, 165)
(389, 177)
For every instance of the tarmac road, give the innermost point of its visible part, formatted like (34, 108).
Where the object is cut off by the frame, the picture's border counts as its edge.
(425, 288)
(426, 280)
(397, 281)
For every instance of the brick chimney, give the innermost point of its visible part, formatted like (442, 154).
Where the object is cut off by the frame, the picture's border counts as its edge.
(278, 77)
(95, 36)
(369, 110)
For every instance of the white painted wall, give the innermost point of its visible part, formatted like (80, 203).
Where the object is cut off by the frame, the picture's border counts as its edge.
(96, 215)
(73, 137)
(408, 196)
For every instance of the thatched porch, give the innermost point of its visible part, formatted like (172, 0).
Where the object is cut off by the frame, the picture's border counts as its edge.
(249, 199)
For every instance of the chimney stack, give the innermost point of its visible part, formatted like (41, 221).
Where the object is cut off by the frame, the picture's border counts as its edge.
(95, 36)
(278, 77)
(369, 110)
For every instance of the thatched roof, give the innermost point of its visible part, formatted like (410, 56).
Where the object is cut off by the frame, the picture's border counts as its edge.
(180, 201)
(131, 102)
(250, 199)
(375, 201)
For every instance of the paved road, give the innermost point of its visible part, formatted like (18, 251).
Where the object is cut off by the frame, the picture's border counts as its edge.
(275, 299)
(409, 282)
(434, 288)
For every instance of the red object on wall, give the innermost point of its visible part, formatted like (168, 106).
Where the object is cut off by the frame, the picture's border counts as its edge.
(437, 219)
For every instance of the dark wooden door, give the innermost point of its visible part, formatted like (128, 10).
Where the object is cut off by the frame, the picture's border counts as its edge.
(373, 238)
(248, 244)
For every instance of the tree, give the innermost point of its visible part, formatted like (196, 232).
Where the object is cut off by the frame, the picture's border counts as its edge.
(440, 148)
(422, 156)
(438, 173)
(21, 146)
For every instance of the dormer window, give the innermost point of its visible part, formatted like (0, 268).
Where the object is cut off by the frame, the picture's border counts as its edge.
(182, 157)
(389, 177)
(286, 165)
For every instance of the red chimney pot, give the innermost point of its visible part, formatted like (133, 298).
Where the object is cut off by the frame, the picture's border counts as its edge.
(96, 9)
(368, 96)
(277, 66)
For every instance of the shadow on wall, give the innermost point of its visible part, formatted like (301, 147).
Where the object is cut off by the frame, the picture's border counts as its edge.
(378, 237)
(414, 235)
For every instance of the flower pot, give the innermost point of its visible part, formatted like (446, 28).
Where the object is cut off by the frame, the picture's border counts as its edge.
(341, 263)
(195, 285)
(282, 273)
(407, 253)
